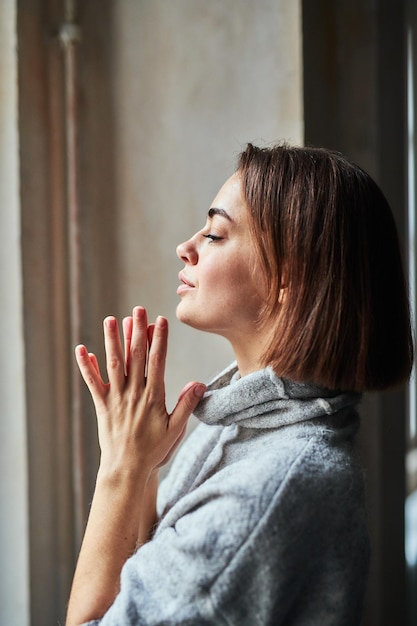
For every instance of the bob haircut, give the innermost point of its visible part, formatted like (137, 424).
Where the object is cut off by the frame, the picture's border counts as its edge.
(328, 244)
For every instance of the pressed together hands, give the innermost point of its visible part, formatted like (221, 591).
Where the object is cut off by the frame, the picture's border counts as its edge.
(134, 428)
(137, 436)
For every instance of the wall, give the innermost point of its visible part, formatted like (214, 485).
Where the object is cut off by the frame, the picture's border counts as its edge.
(14, 592)
(193, 82)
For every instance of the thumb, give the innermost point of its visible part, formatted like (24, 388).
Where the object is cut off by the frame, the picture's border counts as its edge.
(188, 399)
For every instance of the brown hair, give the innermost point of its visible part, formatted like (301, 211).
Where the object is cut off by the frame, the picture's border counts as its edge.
(328, 243)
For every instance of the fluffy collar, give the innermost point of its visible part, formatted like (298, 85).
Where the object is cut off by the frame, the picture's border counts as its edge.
(262, 400)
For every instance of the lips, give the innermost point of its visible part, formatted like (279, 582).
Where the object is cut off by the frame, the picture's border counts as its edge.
(185, 280)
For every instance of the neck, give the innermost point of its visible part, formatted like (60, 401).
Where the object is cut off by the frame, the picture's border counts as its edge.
(249, 349)
(248, 360)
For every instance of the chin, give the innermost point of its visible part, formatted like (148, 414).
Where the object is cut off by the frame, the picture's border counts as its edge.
(198, 324)
(186, 317)
(182, 316)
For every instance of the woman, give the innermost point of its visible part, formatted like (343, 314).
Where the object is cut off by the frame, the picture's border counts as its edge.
(261, 519)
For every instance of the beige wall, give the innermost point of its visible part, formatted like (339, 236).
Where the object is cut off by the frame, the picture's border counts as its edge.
(14, 592)
(194, 81)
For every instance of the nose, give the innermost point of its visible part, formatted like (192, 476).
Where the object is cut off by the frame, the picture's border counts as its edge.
(187, 252)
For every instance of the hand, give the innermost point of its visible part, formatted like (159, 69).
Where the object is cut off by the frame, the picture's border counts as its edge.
(136, 433)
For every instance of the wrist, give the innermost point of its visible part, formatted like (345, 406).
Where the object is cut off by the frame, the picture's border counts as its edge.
(112, 476)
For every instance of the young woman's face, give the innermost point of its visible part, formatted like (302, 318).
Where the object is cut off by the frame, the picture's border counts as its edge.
(222, 283)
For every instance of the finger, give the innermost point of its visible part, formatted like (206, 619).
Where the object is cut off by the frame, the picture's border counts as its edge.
(178, 438)
(138, 347)
(185, 389)
(151, 329)
(181, 435)
(90, 373)
(127, 335)
(114, 354)
(94, 362)
(157, 357)
(188, 399)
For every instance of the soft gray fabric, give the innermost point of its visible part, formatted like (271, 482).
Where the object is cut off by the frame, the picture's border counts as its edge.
(262, 515)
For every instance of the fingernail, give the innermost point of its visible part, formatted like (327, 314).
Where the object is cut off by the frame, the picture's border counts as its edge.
(81, 351)
(138, 312)
(200, 390)
(160, 322)
(111, 323)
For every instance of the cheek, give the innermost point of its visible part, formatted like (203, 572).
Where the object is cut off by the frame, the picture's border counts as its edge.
(229, 277)
(242, 289)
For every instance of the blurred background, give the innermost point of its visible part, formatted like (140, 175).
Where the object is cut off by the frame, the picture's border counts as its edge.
(119, 121)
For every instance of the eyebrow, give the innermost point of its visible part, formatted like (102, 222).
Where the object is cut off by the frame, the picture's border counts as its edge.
(214, 211)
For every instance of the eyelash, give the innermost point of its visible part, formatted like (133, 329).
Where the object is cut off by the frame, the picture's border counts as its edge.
(212, 237)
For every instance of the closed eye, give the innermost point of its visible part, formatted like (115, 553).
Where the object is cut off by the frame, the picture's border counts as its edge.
(212, 237)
